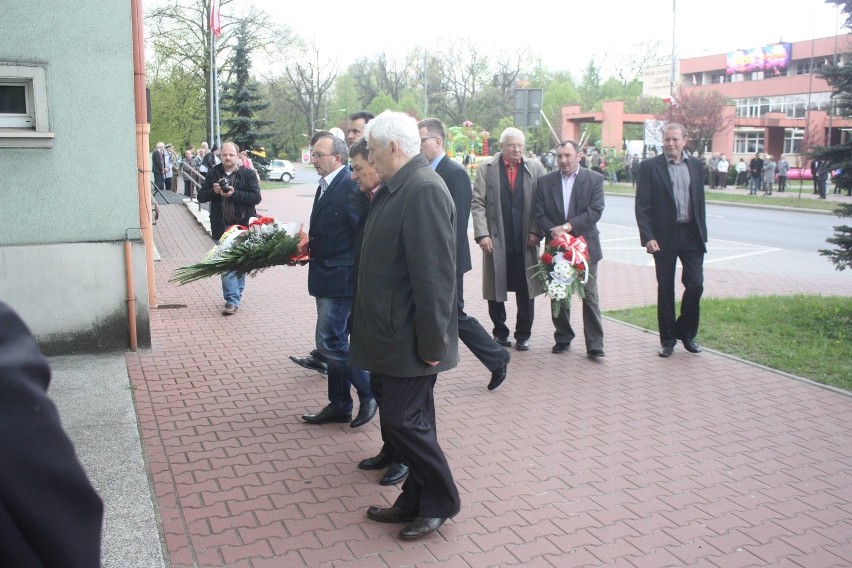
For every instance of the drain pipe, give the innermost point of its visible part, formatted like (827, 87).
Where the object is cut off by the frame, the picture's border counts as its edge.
(143, 156)
(130, 291)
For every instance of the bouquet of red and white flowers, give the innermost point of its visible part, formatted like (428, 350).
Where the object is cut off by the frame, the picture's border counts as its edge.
(249, 250)
(564, 269)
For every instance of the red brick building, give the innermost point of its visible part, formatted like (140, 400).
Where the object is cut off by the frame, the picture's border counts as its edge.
(773, 109)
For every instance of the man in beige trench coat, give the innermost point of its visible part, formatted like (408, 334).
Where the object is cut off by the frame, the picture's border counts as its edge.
(505, 229)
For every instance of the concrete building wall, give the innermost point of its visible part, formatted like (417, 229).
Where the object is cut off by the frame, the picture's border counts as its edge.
(65, 209)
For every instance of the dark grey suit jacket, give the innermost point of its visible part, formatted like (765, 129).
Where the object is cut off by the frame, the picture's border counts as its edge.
(458, 182)
(584, 211)
(656, 212)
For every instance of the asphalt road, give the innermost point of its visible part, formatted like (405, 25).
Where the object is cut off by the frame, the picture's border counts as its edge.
(740, 238)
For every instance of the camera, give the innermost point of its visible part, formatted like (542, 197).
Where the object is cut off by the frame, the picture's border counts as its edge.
(224, 184)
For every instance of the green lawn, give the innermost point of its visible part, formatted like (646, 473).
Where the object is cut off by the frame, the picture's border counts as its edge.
(719, 196)
(808, 336)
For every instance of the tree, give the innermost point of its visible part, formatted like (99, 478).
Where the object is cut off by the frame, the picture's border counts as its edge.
(179, 32)
(840, 156)
(701, 113)
(178, 108)
(309, 80)
(630, 65)
(241, 97)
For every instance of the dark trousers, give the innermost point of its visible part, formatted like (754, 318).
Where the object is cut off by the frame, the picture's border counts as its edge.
(516, 280)
(376, 384)
(689, 249)
(187, 188)
(592, 324)
(474, 336)
(782, 183)
(408, 418)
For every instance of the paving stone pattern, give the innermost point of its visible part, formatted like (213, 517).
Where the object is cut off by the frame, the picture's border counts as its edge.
(633, 461)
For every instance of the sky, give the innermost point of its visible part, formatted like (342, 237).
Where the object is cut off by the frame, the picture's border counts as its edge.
(565, 35)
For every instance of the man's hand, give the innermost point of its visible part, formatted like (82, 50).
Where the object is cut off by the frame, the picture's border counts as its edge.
(651, 247)
(558, 230)
(533, 240)
(431, 363)
(486, 245)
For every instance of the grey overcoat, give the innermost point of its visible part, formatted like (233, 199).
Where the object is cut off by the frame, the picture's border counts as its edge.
(487, 216)
(405, 300)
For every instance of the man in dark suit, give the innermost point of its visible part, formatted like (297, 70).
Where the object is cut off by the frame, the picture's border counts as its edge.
(571, 200)
(158, 165)
(331, 242)
(50, 516)
(471, 332)
(671, 218)
(405, 316)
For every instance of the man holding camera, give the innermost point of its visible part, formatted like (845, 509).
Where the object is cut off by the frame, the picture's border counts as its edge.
(232, 191)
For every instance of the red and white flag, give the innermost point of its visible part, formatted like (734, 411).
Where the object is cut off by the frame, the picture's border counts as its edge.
(215, 24)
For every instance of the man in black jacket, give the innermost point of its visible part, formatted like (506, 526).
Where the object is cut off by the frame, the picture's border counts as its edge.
(231, 204)
(50, 516)
(471, 332)
(672, 225)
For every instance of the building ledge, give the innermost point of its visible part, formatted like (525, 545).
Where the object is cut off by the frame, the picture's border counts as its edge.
(25, 138)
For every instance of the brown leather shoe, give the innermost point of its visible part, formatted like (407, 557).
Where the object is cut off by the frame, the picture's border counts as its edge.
(390, 515)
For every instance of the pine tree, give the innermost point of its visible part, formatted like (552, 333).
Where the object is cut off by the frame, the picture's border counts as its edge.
(839, 76)
(241, 99)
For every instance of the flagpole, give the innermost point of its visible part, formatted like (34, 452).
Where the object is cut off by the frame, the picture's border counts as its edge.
(210, 95)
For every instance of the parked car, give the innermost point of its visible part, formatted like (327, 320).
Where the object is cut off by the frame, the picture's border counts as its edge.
(281, 170)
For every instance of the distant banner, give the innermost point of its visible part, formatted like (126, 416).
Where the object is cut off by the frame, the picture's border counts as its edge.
(774, 57)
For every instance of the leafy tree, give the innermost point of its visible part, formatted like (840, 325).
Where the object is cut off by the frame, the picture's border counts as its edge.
(242, 99)
(178, 108)
(179, 32)
(840, 156)
(701, 112)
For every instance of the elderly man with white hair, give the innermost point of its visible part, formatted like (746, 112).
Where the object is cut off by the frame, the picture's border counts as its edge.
(505, 229)
(405, 322)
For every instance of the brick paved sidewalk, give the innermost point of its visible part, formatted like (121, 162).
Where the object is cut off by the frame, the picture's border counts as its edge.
(634, 461)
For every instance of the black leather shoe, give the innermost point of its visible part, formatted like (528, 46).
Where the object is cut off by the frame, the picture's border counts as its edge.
(595, 353)
(396, 472)
(691, 345)
(365, 413)
(326, 416)
(498, 375)
(522, 345)
(389, 515)
(666, 351)
(311, 363)
(560, 348)
(421, 526)
(503, 341)
(379, 461)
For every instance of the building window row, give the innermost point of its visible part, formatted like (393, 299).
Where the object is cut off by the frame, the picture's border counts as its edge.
(802, 67)
(751, 141)
(793, 106)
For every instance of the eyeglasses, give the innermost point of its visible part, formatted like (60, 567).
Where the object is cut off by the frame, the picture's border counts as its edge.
(318, 155)
(422, 140)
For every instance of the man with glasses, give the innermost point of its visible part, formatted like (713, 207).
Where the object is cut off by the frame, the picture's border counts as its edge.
(331, 242)
(471, 332)
(504, 191)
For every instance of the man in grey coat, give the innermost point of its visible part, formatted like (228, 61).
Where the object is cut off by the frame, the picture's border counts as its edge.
(405, 321)
(505, 229)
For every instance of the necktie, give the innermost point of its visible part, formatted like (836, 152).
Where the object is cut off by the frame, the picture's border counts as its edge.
(322, 187)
